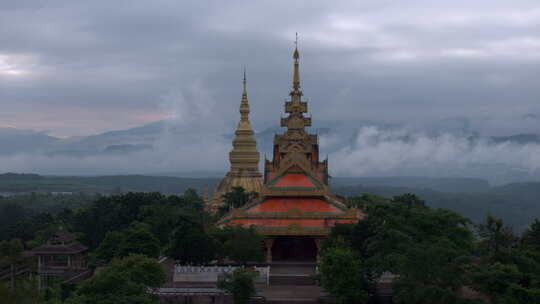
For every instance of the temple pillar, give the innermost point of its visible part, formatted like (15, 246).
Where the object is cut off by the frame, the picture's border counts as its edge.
(268, 242)
(318, 242)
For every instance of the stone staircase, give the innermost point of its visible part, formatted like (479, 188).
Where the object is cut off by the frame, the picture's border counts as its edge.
(282, 294)
(292, 282)
(292, 301)
(292, 274)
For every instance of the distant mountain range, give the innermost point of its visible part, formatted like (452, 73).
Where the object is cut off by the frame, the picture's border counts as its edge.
(17, 182)
(161, 140)
(16, 141)
(14, 183)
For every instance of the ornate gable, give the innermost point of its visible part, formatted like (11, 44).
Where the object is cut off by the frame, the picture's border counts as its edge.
(295, 199)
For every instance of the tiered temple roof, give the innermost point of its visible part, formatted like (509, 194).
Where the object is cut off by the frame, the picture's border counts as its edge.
(61, 243)
(296, 198)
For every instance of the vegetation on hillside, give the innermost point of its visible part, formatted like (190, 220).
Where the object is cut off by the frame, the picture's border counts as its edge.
(12, 183)
(517, 204)
(434, 254)
(149, 225)
(126, 280)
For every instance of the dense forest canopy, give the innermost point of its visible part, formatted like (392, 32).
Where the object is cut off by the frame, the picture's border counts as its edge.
(434, 252)
(517, 204)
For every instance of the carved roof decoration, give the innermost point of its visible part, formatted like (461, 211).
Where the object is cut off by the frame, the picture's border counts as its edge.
(296, 198)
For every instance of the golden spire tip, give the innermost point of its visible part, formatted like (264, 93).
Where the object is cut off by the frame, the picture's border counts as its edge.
(296, 55)
(244, 75)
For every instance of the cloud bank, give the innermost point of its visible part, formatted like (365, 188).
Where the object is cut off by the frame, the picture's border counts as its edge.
(179, 146)
(398, 152)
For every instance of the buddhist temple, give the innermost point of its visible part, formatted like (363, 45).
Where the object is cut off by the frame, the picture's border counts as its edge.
(244, 159)
(296, 209)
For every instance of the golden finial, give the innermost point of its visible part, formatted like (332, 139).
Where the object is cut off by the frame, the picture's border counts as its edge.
(296, 75)
(244, 82)
(296, 55)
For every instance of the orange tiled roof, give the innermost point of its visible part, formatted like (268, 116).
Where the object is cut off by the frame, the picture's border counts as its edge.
(294, 180)
(287, 222)
(301, 204)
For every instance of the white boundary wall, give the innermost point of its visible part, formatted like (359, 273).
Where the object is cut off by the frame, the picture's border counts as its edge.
(211, 274)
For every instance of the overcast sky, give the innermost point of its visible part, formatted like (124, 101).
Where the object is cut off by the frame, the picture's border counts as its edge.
(83, 67)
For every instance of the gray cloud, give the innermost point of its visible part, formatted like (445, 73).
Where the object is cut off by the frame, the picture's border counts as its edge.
(187, 144)
(445, 70)
(381, 152)
(83, 63)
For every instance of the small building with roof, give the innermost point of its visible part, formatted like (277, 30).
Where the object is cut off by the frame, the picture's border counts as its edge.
(63, 258)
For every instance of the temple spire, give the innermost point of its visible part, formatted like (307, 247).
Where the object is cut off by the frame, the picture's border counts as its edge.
(244, 105)
(244, 154)
(296, 74)
(296, 121)
(244, 92)
(244, 158)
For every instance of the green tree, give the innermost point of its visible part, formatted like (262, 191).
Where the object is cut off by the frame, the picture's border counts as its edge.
(162, 219)
(531, 237)
(118, 212)
(137, 239)
(10, 214)
(355, 236)
(432, 272)
(506, 272)
(240, 244)
(496, 239)
(365, 200)
(429, 250)
(495, 279)
(341, 274)
(11, 254)
(409, 199)
(112, 213)
(190, 244)
(124, 281)
(237, 198)
(107, 250)
(24, 293)
(240, 283)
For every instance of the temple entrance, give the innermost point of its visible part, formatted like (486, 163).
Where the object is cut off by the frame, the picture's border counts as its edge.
(294, 248)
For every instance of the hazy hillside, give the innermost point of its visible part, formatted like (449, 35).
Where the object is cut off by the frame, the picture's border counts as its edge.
(344, 141)
(14, 141)
(176, 183)
(437, 184)
(17, 183)
(517, 203)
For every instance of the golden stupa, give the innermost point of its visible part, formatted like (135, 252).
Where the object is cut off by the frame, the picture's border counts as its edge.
(244, 159)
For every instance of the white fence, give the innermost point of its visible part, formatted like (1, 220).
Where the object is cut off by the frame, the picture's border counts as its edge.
(211, 274)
